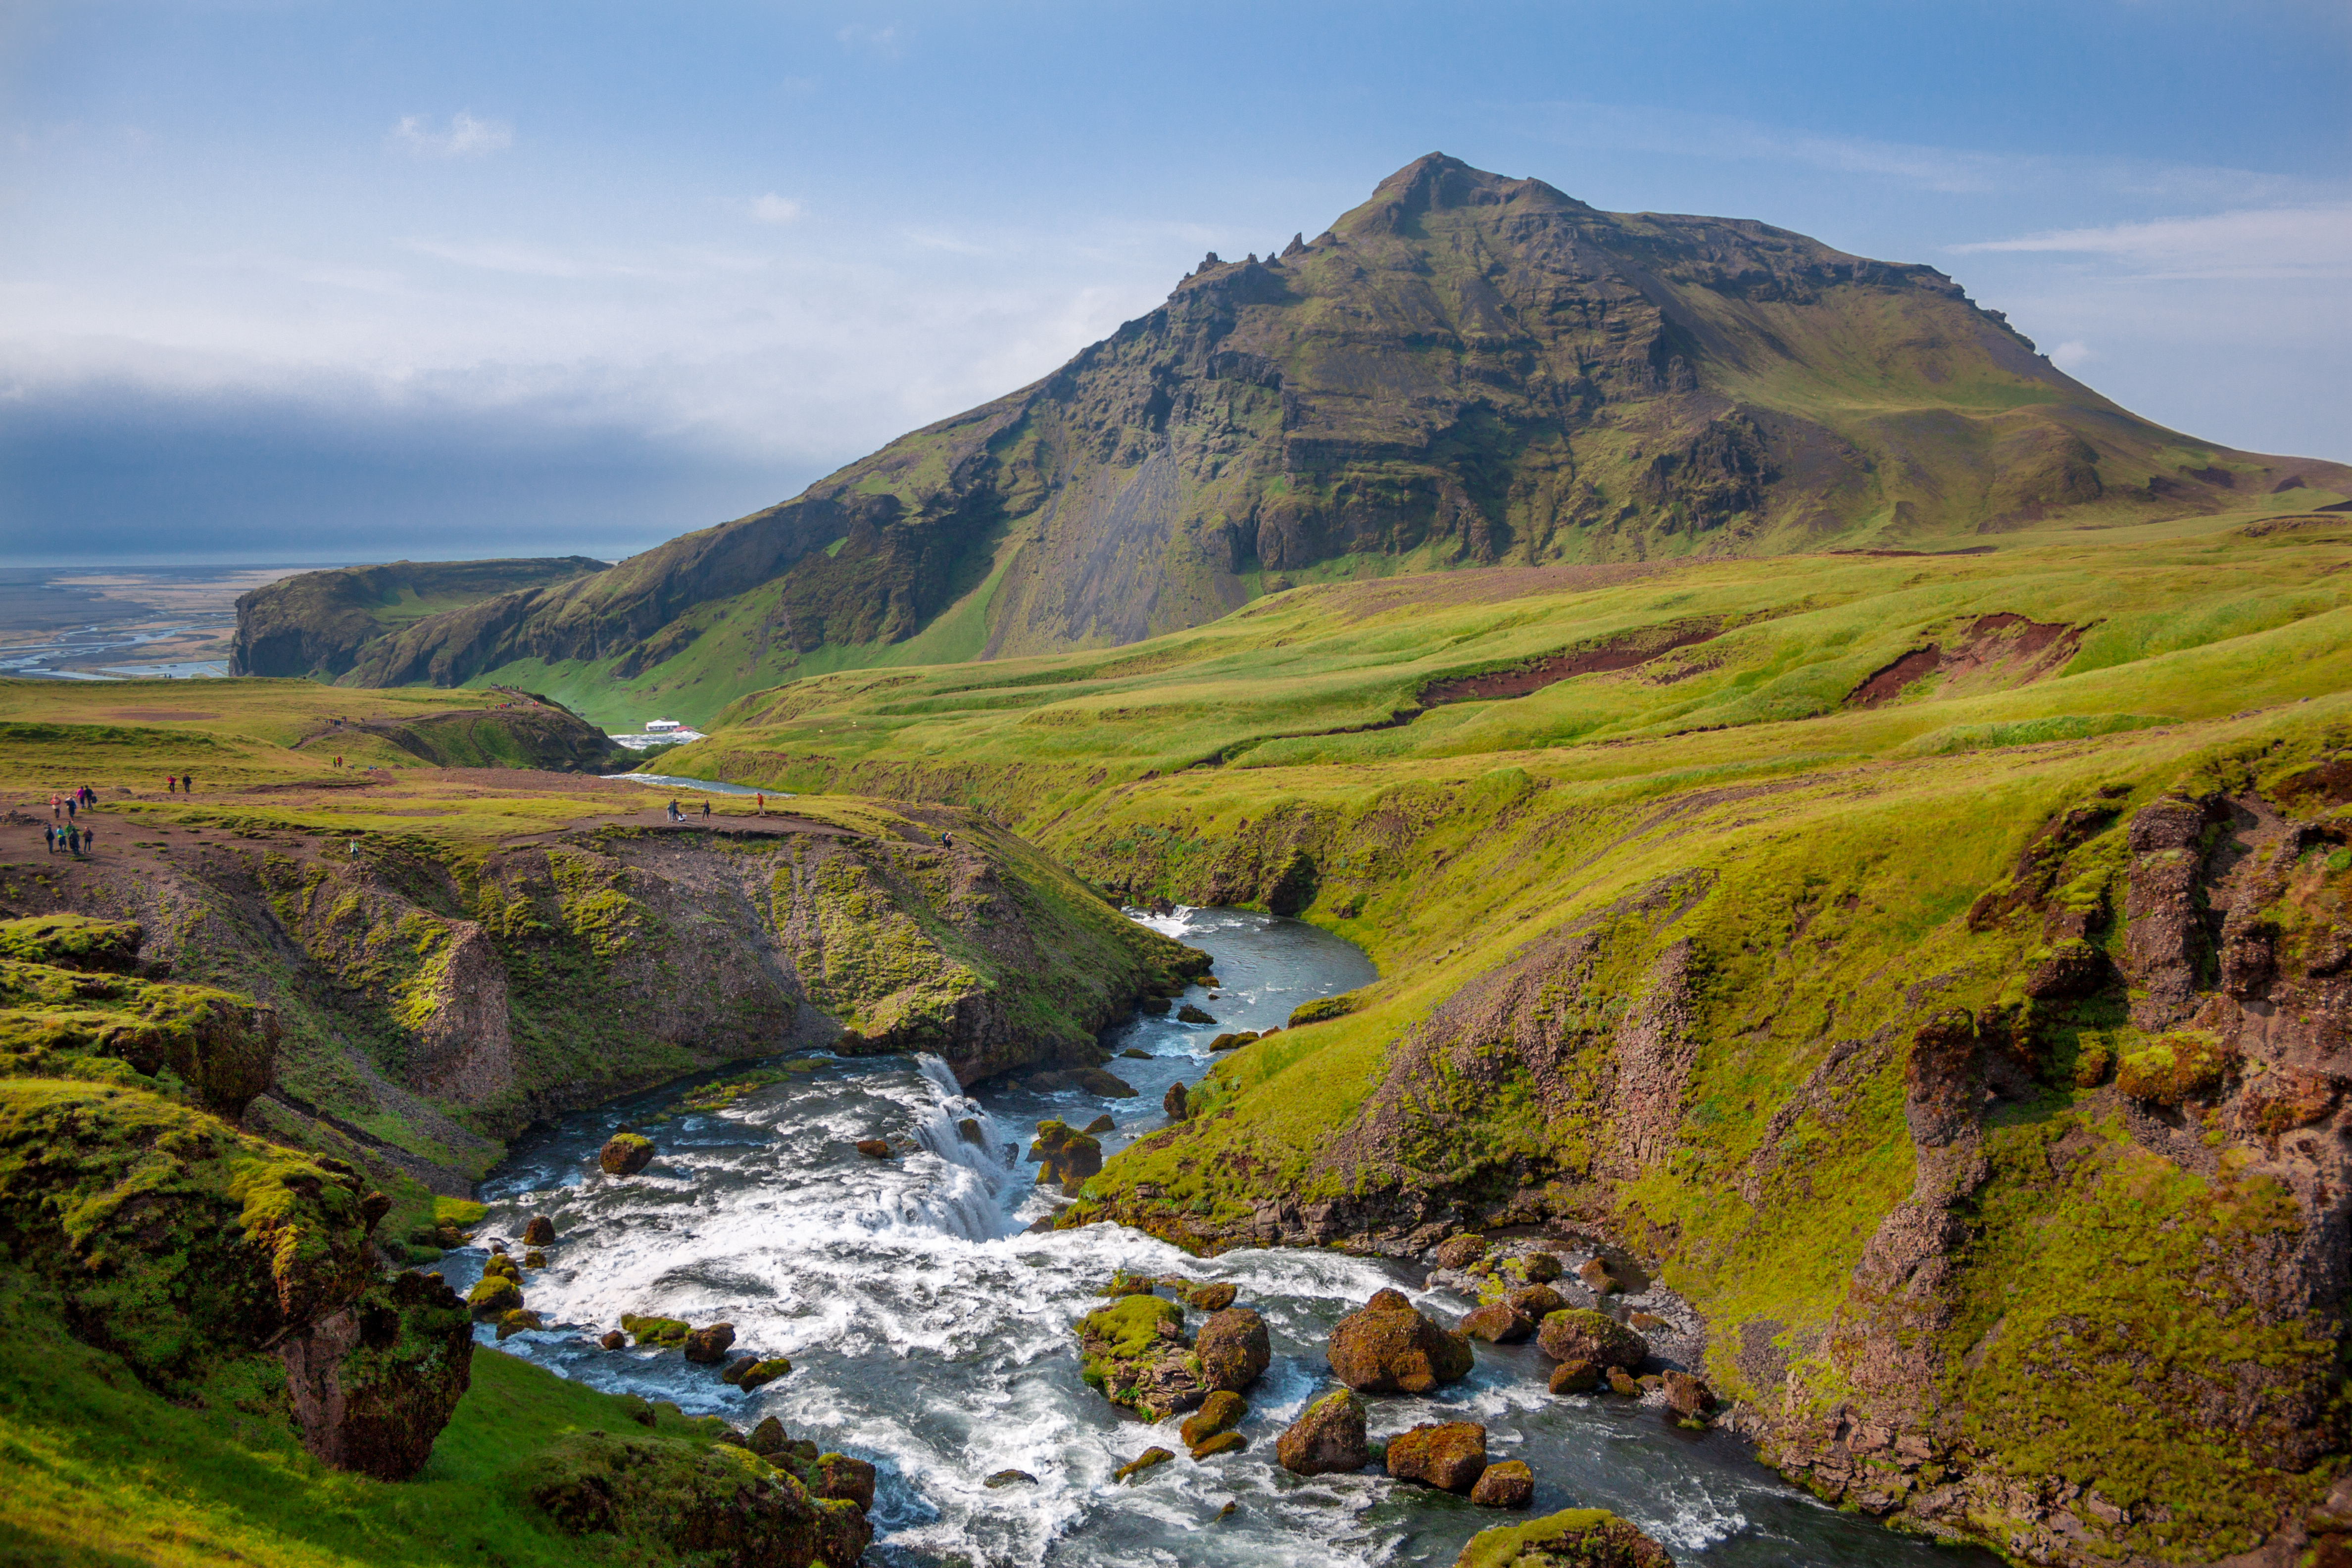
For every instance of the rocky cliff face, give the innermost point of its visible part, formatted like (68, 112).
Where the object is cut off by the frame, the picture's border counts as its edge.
(1466, 370)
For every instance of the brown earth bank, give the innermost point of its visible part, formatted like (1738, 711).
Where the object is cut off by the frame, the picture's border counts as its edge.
(440, 987)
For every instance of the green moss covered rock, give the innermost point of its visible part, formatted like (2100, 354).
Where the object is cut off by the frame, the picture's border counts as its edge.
(719, 1503)
(1389, 1347)
(1573, 1538)
(2172, 1069)
(662, 1331)
(374, 1384)
(59, 1022)
(1134, 1350)
(1581, 1334)
(624, 1155)
(1063, 1155)
(73, 941)
(493, 1296)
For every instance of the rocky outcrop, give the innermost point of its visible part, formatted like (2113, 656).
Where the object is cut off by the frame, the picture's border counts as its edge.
(1507, 1485)
(722, 1500)
(314, 624)
(1065, 1157)
(374, 1383)
(1389, 1347)
(624, 1155)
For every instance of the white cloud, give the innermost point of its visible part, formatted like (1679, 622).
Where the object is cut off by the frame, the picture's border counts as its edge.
(2264, 242)
(773, 208)
(881, 40)
(2073, 355)
(466, 137)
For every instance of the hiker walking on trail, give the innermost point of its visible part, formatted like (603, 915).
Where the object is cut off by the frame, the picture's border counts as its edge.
(706, 811)
(171, 783)
(73, 841)
(50, 839)
(90, 840)
(187, 783)
(759, 804)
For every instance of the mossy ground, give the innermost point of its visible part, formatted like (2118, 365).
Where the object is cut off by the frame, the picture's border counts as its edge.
(98, 1471)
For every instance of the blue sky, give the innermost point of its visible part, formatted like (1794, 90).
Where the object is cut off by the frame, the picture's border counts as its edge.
(307, 282)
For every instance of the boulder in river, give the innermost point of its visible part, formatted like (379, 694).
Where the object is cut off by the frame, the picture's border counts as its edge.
(968, 1129)
(1448, 1455)
(1579, 1333)
(1573, 1538)
(1101, 1125)
(709, 1346)
(1063, 1155)
(517, 1322)
(1221, 1411)
(1234, 1042)
(1622, 1382)
(1209, 1296)
(768, 1437)
(494, 1295)
(1134, 1351)
(624, 1155)
(504, 1266)
(873, 1148)
(657, 1330)
(1461, 1251)
(1575, 1377)
(1327, 1439)
(1221, 1443)
(763, 1373)
(1391, 1348)
(1233, 1348)
(1188, 1013)
(1003, 1478)
(613, 1339)
(1109, 1086)
(1499, 1324)
(1537, 1301)
(539, 1232)
(534, 1259)
(1507, 1485)
(1687, 1396)
(1174, 1102)
(1135, 1055)
(1141, 1463)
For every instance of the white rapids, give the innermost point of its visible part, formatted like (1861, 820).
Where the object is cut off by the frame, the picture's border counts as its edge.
(931, 1333)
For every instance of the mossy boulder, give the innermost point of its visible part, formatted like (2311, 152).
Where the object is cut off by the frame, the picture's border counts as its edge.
(1325, 1008)
(2173, 1068)
(1461, 1251)
(1147, 1459)
(662, 1331)
(504, 1266)
(1134, 1351)
(1498, 1324)
(1389, 1347)
(719, 1503)
(1233, 1348)
(1575, 1377)
(709, 1346)
(494, 1295)
(539, 1232)
(1209, 1296)
(1573, 1538)
(1188, 1013)
(1581, 1334)
(1220, 1411)
(1063, 1155)
(753, 1371)
(841, 1477)
(73, 941)
(1327, 1439)
(519, 1321)
(1448, 1455)
(1221, 1443)
(624, 1155)
(1507, 1485)
(374, 1384)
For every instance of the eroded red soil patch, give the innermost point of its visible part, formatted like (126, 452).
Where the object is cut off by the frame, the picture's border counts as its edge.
(2036, 647)
(1624, 653)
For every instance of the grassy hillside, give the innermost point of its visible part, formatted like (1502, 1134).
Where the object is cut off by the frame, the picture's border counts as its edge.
(1926, 959)
(1465, 370)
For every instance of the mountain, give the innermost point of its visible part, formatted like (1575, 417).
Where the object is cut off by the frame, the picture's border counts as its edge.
(1465, 370)
(315, 623)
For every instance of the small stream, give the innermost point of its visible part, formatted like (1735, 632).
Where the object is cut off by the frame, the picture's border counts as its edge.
(930, 1334)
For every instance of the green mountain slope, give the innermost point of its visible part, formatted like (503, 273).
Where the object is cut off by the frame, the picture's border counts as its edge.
(1932, 965)
(1465, 370)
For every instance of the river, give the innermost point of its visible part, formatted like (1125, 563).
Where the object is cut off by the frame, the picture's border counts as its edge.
(931, 1334)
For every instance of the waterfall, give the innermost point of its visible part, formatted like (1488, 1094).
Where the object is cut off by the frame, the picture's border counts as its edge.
(970, 1201)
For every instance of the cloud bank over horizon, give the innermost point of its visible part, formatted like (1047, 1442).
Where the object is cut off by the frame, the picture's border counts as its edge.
(436, 284)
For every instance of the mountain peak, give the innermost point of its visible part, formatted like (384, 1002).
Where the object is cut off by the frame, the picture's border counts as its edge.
(1437, 180)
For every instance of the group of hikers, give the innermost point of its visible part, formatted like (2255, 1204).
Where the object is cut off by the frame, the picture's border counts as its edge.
(66, 835)
(183, 784)
(759, 808)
